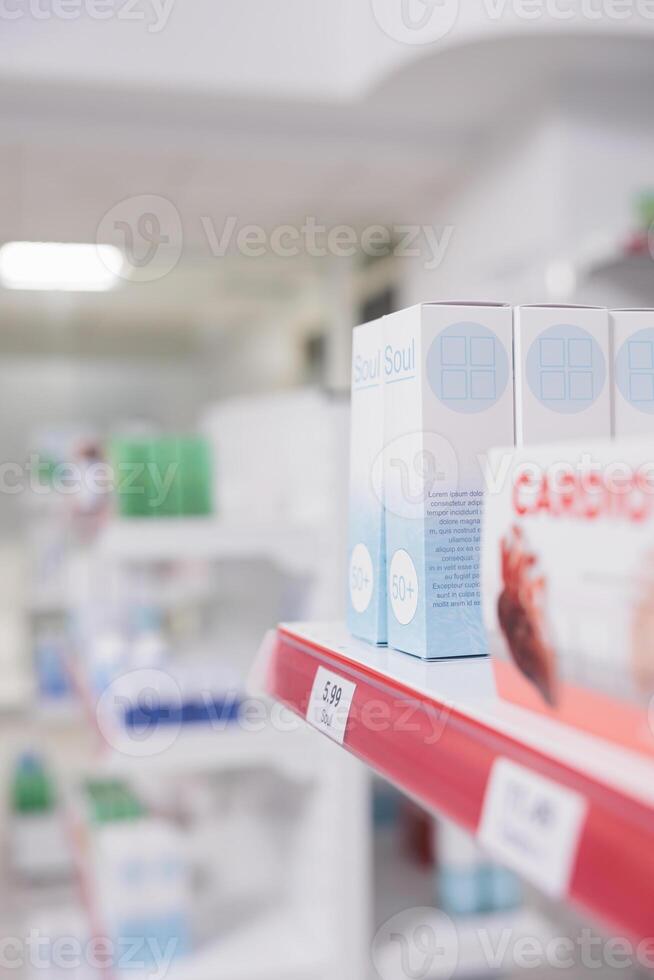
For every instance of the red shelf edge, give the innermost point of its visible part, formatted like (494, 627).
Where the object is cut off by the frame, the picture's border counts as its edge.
(443, 758)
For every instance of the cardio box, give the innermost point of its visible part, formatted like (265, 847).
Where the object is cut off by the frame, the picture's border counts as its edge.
(633, 372)
(562, 363)
(568, 585)
(448, 398)
(367, 564)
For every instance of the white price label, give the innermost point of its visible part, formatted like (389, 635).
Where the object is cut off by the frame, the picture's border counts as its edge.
(330, 703)
(532, 824)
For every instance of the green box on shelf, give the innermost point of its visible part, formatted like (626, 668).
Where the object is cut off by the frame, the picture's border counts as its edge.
(163, 476)
(168, 477)
(197, 476)
(132, 462)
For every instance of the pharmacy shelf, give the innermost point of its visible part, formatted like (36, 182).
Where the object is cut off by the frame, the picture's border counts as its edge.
(270, 948)
(202, 748)
(73, 746)
(253, 741)
(188, 538)
(623, 260)
(438, 731)
(618, 260)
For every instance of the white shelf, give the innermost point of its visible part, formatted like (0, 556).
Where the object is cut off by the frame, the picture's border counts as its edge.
(200, 748)
(467, 686)
(612, 258)
(620, 256)
(272, 948)
(173, 539)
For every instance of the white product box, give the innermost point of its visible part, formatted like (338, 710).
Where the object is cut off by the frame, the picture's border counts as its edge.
(562, 366)
(568, 584)
(633, 372)
(366, 551)
(449, 398)
(139, 879)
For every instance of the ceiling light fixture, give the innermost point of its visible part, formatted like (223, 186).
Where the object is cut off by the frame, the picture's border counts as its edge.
(60, 266)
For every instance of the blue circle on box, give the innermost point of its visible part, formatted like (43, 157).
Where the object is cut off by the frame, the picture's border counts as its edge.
(634, 370)
(566, 369)
(467, 367)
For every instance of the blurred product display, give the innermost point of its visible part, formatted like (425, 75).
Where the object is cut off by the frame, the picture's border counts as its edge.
(141, 656)
(137, 874)
(39, 847)
(468, 882)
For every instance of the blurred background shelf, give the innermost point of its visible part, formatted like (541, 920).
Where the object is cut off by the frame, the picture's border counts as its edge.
(611, 266)
(208, 750)
(191, 748)
(160, 540)
(278, 951)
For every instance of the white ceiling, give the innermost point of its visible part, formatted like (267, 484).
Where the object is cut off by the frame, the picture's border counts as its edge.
(201, 115)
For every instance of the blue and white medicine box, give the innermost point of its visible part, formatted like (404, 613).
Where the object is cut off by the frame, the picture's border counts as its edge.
(633, 372)
(448, 392)
(366, 551)
(562, 364)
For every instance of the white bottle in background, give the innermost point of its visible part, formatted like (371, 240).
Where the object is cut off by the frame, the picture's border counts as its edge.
(141, 880)
(39, 848)
(470, 883)
(460, 871)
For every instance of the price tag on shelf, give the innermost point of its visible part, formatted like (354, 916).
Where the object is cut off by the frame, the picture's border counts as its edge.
(532, 825)
(330, 703)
